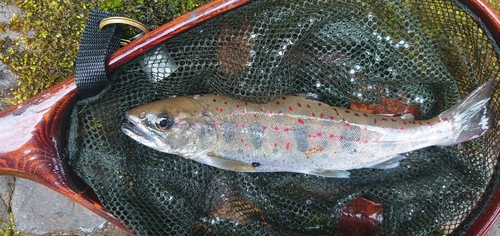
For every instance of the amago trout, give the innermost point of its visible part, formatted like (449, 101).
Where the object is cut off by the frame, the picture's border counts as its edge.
(296, 134)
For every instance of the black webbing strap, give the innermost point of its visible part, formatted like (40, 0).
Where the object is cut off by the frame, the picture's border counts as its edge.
(95, 46)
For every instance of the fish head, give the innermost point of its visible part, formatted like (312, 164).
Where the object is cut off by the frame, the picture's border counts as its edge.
(177, 126)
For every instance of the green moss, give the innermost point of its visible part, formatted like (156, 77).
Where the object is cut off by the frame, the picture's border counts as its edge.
(48, 56)
(8, 228)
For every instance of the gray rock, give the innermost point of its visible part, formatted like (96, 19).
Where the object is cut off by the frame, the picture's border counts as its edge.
(39, 210)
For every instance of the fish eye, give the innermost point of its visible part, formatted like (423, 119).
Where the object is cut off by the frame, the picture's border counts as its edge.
(163, 122)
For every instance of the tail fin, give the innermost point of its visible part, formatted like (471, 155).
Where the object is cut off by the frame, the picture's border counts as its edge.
(471, 116)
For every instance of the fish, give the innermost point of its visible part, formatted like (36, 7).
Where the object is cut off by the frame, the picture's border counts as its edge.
(295, 133)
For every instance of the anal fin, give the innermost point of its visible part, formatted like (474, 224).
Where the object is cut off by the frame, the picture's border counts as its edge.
(329, 173)
(215, 160)
(393, 162)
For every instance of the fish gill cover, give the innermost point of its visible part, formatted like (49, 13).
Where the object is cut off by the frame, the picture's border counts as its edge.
(425, 54)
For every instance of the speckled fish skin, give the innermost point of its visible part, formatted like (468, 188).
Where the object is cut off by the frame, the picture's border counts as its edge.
(296, 134)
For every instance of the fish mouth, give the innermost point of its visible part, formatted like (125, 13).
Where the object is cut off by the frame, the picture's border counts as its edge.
(138, 134)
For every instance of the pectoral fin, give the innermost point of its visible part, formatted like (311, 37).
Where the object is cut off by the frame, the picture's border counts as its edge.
(391, 163)
(215, 160)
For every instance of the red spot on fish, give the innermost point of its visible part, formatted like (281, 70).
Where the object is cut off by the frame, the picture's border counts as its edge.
(347, 123)
(246, 103)
(319, 134)
(445, 119)
(286, 129)
(242, 125)
(276, 128)
(223, 135)
(404, 122)
(220, 124)
(213, 122)
(341, 137)
(277, 102)
(438, 121)
(301, 121)
(264, 127)
(217, 109)
(290, 108)
(401, 128)
(246, 144)
(230, 136)
(313, 115)
(241, 140)
(331, 117)
(270, 112)
(331, 136)
(237, 105)
(308, 106)
(299, 105)
(220, 109)
(236, 126)
(347, 111)
(243, 111)
(356, 114)
(275, 145)
(429, 123)
(321, 115)
(254, 115)
(261, 109)
(335, 153)
(309, 136)
(383, 127)
(207, 105)
(287, 146)
(280, 112)
(365, 141)
(225, 103)
(358, 139)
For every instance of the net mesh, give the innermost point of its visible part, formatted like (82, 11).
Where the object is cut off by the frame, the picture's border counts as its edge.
(425, 53)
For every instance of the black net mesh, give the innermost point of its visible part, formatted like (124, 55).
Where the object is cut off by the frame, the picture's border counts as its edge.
(427, 53)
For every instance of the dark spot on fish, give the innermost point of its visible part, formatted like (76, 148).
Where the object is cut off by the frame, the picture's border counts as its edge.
(321, 115)
(277, 102)
(255, 164)
(313, 115)
(290, 108)
(307, 105)
(347, 111)
(374, 121)
(356, 114)
(214, 100)
(257, 135)
(225, 103)
(299, 105)
(351, 135)
(229, 132)
(300, 135)
(366, 115)
(393, 120)
(284, 98)
(237, 105)
(384, 119)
